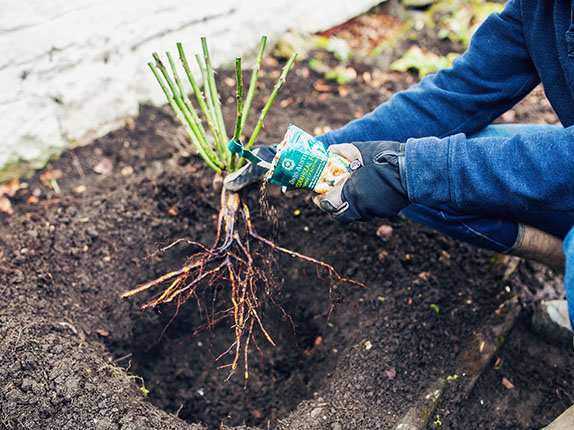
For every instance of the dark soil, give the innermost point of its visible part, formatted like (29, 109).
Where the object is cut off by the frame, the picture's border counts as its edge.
(76, 356)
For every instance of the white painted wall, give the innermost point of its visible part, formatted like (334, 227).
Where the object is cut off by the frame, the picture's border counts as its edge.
(71, 70)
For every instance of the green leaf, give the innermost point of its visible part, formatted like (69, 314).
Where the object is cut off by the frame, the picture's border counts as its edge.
(341, 75)
(318, 66)
(340, 48)
(423, 62)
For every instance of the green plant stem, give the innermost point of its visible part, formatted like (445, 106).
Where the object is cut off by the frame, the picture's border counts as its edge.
(209, 102)
(190, 109)
(239, 103)
(215, 96)
(182, 120)
(219, 143)
(265, 109)
(239, 98)
(201, 146)
(253, 83)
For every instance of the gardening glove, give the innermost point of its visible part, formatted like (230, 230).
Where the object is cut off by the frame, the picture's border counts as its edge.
(375, 187)
(251, 172)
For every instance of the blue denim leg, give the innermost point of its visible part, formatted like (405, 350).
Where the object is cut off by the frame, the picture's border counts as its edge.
(478, 230)
(569, 274)
(494, 230)
(509, 130)
(488, 229)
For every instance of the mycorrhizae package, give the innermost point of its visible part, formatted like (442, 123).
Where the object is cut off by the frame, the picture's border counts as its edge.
(303, 162)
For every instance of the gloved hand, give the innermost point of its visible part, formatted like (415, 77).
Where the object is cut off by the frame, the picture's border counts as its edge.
(250, 172)
(375, 187)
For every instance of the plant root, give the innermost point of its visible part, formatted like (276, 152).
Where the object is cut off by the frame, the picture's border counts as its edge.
(230, 263)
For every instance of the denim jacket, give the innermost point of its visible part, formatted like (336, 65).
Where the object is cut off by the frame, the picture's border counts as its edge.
(529, 42)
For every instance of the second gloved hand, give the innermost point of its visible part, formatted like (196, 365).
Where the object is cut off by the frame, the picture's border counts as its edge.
(250, 172)
(374, 188)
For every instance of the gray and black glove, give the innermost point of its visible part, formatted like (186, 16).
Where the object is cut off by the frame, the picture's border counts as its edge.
(250, 173)
(374, 189)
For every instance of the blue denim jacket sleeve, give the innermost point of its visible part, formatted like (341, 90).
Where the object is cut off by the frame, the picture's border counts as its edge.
(527, 171)
(489, 78)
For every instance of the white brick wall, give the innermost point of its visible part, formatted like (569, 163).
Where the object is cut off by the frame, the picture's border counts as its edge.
(73, 70)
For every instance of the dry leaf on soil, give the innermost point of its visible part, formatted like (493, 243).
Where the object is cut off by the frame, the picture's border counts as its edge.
(507, 384)
(50, 175)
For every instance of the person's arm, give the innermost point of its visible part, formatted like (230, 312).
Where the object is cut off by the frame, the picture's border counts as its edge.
(533, 171)
(487, 80)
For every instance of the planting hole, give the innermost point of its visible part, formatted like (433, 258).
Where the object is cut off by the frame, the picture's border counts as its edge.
(183, 377)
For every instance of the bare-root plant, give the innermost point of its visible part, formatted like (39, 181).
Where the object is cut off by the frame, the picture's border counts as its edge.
(228, 270)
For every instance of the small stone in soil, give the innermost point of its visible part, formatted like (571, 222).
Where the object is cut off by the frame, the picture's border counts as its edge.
(315, 412)
(385, 232)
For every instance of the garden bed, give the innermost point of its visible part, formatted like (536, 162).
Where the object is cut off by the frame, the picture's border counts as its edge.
(75, 355)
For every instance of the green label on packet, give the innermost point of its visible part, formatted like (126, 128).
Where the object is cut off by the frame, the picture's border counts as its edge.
(300, 160)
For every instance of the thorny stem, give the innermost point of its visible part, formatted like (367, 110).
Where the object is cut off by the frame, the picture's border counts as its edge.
(212, 88)
(239, 103)
(201, 100)
(208, 97)
(183, 120)
(191, 110)
(200, 143)
(239, 98)
(179, 102)
(265, 109)
(253, 82)
(213, 148)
